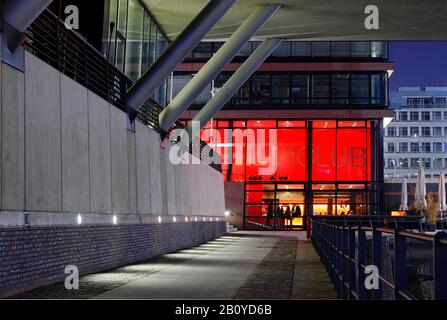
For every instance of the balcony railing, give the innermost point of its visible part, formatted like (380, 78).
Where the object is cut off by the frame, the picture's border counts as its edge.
(68, 52)
(348, 248)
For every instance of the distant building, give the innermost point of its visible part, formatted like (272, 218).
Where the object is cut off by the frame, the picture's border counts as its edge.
(416, 137)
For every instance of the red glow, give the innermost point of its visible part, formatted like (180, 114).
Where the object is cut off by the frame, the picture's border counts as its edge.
(323, 151)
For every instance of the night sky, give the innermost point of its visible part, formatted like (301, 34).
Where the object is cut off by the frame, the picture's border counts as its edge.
(418, 64)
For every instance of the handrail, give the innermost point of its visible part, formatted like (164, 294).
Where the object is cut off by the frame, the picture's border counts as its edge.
(344, 252)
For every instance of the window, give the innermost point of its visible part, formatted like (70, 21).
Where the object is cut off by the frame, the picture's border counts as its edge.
(437, 146)
(320, 89)
(261, 89)
(403, 116)
(437, 163)
(425, 132)
(445, 131)
(378, 85)
(414, 116)
(440, 102)
(403, 163)
(425, 147)
(360, 89)
(437, 131)
(340, 89)
(437, 116)
(300, 48)
(403, 146)
(321, 49)
(426, 163)
(445, 115)
(361, 48)
(414, 147)
(390, 163)
(391, 147)
(391, 131)
(414, 131)
(414, 163)
(403, 132)
(340, 48)
(280, 89)
(283, 50)
(425, 116)
(300, 89)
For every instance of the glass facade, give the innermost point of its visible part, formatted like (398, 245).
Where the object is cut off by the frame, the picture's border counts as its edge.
(320, 50)
(299, 89)
(291, 168)
(132, 40)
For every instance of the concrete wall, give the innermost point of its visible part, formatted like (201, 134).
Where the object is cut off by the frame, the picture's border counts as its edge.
(65, 151)
(234, 202)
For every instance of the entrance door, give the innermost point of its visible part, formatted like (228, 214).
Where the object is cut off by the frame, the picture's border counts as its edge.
(274, 206)
(290, 207)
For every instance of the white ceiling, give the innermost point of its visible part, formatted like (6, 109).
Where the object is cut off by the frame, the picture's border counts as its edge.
(317, 19)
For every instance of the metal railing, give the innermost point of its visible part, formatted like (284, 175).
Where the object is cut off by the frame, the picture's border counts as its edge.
(348, 250)
(72, 55)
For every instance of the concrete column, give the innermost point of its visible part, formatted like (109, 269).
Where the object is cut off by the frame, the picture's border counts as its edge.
(216, 64)
(18, 15)
(143, 89)
(231, 86)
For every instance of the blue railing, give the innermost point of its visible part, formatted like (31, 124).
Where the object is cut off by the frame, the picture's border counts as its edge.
(348, 250)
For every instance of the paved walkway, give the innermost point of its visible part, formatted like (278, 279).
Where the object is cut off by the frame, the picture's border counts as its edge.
(242, 265)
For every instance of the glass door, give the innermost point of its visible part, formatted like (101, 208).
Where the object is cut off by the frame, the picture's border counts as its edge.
(290, 207)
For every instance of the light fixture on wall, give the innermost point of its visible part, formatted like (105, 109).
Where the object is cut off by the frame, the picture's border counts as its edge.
(79, 219)
(227, 213)
(174, 219)
(115, 219)
(186, 219)
(159, 219)
(195, 219)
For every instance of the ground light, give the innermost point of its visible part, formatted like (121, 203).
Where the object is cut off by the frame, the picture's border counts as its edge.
(115, 219)
(79, 219)
(174, 219)
(159, 219)
(227, 213)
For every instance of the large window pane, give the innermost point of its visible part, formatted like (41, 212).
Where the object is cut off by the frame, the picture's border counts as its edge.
(300, 89)
(301, 49)
(261, 89)
(378, 88)
(320, 89)
(283, 50)
(146, 42)
(321, 49)
(134, 40)
(361, 49)
(121, 33)
(340, 49)
(360, 89)
(340, 89)
(280, 89)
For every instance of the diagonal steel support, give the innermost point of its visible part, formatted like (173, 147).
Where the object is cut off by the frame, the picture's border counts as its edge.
(190, 37)
(216, 64)
(17, 15)
(231, 86)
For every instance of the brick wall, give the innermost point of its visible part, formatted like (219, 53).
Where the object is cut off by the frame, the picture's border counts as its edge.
(37, 256)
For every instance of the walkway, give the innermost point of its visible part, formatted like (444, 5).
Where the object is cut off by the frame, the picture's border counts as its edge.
(242, 265)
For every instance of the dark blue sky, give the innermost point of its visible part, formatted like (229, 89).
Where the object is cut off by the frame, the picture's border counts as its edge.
(418, 64)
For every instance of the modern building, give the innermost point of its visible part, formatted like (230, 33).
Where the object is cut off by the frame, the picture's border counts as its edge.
(314, 111)
(417, 137)
(87, 178)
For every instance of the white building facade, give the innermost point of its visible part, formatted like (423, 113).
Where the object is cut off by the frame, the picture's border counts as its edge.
(418, 134)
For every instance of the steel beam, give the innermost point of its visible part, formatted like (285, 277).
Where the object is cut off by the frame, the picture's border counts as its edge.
(232, 85)
(216, 64)
(17, 16)
(177, 51)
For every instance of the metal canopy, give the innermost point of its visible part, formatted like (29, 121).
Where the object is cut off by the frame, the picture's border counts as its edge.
(317, 19)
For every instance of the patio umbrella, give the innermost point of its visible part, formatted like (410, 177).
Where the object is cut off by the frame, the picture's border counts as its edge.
(441, 190)
(421, 188)
(404, 197)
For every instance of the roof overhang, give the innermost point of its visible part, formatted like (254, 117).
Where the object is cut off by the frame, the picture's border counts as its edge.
(317, 19)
